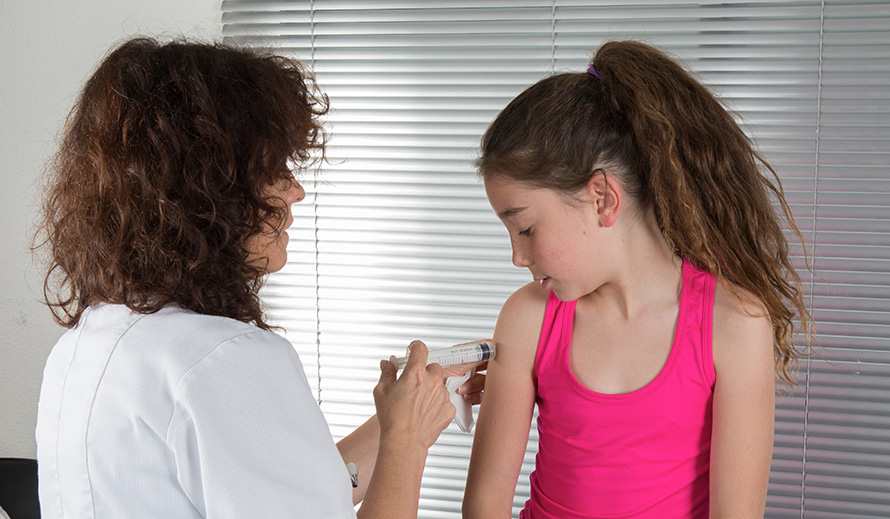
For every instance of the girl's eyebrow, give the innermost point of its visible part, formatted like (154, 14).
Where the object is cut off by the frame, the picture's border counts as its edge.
(511, 212)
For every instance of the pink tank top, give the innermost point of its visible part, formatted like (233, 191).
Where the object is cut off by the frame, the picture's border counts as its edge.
(643, 454)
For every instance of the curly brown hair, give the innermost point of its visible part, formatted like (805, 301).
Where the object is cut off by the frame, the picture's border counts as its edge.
(676, 150)
(161, 175)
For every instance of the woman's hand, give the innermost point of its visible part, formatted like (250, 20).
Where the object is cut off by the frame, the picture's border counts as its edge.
(361, 447)
(471, 390)
(414, 408)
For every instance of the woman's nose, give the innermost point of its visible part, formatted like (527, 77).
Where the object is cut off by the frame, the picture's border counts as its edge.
(295, 193)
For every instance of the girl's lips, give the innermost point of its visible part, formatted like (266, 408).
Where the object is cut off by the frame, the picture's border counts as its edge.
(544, 282)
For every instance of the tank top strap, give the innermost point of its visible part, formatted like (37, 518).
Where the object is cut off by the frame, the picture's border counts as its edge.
(698, 306)
(695, 328)
(556, 332)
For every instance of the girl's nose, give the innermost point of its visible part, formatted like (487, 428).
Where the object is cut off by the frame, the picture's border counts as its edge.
(521, 258)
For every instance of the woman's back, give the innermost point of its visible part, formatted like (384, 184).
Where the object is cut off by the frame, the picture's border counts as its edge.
(135, 420)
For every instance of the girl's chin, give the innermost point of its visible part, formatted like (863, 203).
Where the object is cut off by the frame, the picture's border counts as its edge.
(565, 296)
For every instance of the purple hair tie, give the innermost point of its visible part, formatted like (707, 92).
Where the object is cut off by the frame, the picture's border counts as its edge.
(594, 72)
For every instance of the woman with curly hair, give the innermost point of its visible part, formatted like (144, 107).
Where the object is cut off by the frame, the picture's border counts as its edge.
(169, 396)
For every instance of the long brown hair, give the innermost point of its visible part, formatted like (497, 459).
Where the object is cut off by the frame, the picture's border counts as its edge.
(160, 177)
(676, 150)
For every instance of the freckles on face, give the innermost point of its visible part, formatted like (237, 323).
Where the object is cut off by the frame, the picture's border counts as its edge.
(525, 212)
(550, 235)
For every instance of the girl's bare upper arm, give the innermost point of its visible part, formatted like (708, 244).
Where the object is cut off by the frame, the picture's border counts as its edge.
(744, 407)
(507, 407)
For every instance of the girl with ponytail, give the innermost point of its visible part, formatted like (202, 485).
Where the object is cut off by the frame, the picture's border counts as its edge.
(661, 313)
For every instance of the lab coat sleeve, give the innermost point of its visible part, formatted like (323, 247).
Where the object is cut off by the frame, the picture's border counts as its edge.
(250, 440)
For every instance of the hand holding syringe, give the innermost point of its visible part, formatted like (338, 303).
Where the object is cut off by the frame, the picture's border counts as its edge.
(461, 354)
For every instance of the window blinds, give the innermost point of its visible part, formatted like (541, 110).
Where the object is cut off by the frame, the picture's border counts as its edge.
(396, 240)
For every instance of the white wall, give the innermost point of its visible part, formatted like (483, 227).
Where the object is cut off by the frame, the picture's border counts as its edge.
(47, 50)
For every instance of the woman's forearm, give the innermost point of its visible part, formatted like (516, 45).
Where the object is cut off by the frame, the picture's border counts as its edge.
(361, 448)
(394, 492)
(412, 410)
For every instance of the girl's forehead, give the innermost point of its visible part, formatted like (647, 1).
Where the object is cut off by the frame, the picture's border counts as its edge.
(509, 197)
(506, 189)
(507, 185)
(499, 184)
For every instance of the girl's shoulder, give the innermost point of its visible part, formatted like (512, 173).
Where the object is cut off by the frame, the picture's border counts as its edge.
(520, 321)
(742, 330)
(528, 302)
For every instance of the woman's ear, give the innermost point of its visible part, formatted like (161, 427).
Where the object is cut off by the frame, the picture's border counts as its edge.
(606, 194)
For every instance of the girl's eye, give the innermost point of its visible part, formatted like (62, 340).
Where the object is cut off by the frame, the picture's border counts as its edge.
(527, 232)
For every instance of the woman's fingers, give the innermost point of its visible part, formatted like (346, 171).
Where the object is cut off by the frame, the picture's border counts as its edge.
(472, 389)
(460, 369)
(436, 370)
(387, 373)
(418, 354)
(415, 406)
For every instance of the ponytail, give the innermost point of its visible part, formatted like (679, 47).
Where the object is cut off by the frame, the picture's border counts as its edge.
(676, 150)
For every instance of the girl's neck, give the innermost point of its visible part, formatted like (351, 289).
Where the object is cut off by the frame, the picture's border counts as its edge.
(646, 270)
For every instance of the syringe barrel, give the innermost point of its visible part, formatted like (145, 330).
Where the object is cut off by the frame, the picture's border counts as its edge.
(471, 353)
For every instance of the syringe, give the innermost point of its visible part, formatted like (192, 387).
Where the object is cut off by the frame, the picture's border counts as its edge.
(469, 353)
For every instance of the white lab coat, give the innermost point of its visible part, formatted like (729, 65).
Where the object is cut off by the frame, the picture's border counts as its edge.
(177, 414)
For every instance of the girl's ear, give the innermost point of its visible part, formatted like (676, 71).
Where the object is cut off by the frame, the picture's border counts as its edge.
(606, 194)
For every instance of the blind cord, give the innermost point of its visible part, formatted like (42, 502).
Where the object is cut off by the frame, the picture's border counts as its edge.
(315, 183)
(553, 37)
(806, 405)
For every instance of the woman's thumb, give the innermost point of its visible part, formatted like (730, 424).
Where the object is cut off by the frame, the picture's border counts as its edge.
(387, 373)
